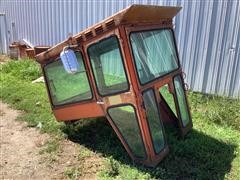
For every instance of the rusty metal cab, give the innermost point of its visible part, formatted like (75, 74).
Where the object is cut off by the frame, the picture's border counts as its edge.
(129, 73)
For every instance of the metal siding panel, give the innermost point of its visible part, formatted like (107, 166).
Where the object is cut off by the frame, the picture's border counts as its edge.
(231, 47)
(236, 84)
(207, 33)
(224, 59)
(207, 42)
(3, 35)
(214, 51)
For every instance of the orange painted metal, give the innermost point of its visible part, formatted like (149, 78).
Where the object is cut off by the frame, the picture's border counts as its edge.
(134, 18)
(78, 111)
(40, 49)
(30, 53)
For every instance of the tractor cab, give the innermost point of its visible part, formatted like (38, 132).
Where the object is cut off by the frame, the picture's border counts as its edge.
(127, 69)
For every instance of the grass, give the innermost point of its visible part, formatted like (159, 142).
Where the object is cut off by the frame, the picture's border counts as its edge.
(210, 151)
(73, 173)
(50, 146)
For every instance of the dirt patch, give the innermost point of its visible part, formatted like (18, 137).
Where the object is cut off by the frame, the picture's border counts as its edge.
(4, 58)
(19, 147)
(21, 157)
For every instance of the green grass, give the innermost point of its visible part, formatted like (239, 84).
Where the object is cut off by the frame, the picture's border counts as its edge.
(168, 98)
(17, 90)
(50, 146)
(210, 151)
(73, 173)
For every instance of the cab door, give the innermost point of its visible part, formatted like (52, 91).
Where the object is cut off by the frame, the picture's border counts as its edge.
(115, 94)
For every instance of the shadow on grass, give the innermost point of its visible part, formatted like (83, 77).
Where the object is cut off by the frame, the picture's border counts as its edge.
(197, 156)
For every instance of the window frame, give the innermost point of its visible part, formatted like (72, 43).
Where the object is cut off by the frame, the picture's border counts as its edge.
(48, 88)
(133, 57)
(140, 132)
(161, 122)
(123, 63)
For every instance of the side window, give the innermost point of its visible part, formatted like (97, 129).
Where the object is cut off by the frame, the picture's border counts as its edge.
(67, 88)
(181, 99)
(124, 117)
(154, 122)
(107, 64)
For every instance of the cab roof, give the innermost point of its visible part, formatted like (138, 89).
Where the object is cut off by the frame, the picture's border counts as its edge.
(134, 14)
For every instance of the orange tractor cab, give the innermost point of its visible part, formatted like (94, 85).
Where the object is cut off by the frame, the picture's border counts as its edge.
(127, 69)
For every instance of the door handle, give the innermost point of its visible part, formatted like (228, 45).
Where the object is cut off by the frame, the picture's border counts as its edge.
(100, 102)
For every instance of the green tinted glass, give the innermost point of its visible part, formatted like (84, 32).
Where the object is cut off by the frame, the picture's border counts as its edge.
(168, 97)
(107, 64)
(125, 119)
(154, 120)
(64, 87)
(183, 108)
(154, 53)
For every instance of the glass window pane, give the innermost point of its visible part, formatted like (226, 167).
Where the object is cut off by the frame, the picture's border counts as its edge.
(107, 64)
(168, 97)
(154, 120)
(154, 53)
(125, 119)
(64, 87)
(181, 100)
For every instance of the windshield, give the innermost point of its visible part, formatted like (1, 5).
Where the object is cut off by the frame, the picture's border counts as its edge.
(154, 53)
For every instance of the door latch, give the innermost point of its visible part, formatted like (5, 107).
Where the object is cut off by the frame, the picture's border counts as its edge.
(100, 102)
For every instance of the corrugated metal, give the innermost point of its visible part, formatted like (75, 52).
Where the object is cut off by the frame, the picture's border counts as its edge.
(3, 34)
(207, 33)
